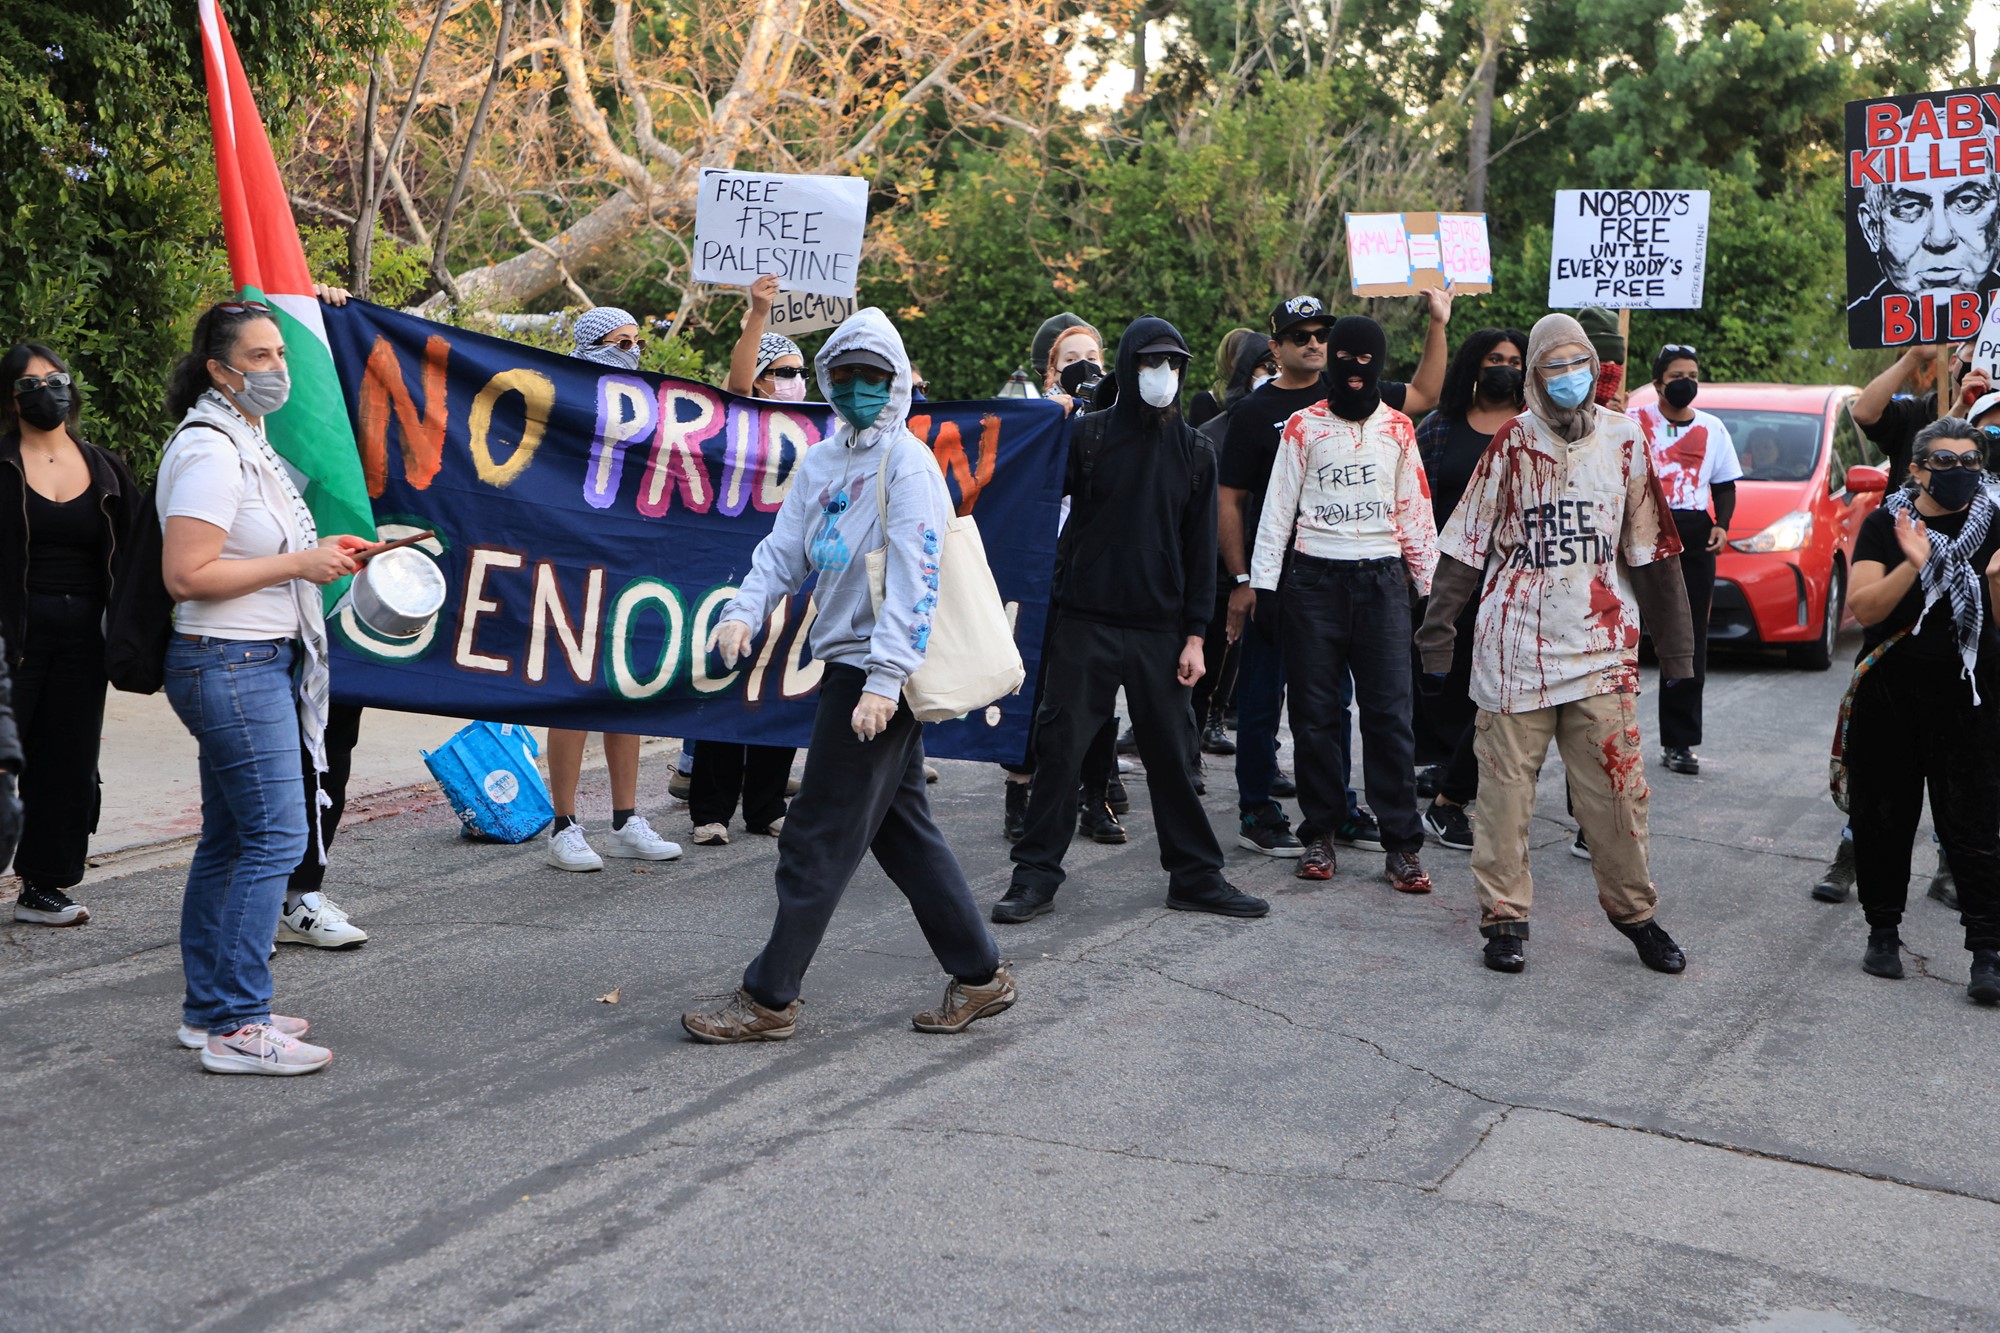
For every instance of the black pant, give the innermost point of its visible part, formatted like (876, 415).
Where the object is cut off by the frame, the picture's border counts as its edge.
(1914, 726)
(1087, 664)
(1341, 616)
(343, 733)
(59, 688)
(859, 796)
(1680, 707)
(1217, 686)
(1100, 761)
(724, 771)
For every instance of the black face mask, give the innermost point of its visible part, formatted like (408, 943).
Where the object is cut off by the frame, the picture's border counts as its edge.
(45, 408)
(1358, 336)
(1079, 373)
(1954, 489)
(1679, 393)
(1501, 384)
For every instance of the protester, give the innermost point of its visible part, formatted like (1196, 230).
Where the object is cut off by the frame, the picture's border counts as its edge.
(246, 672)
(1892, 422)
(1348, 482)
(1075, 364)
(1134, 587)
(761, 365)
(610, 337)
(1695, 461)
(1925, 705)
(1243, 363)
(864, 779)
(1601, 326)
(58, 565)
(1483, 391)
(1563, 525)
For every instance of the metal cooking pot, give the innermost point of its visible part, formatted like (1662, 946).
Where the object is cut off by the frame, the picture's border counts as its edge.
(398, 593)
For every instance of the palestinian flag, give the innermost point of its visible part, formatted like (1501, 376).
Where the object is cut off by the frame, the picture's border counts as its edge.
(268, 263)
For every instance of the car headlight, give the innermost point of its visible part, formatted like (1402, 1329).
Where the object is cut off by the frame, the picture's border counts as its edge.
(1787, 534)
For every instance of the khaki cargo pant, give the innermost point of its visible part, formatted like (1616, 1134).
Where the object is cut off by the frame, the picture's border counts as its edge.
(1598, 739)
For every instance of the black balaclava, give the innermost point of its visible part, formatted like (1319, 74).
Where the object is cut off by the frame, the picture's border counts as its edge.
(1361, 336)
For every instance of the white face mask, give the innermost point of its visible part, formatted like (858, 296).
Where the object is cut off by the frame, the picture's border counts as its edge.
(1159, 385)
(1259, 380)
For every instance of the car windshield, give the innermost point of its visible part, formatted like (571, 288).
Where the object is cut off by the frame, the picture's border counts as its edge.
(1773, 446)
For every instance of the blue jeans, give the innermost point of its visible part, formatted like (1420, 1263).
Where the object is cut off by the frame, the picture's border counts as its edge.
(1260, 699)
(237, 698)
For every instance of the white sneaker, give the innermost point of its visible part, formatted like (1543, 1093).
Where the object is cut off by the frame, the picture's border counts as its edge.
(712, 835)
(637, 841)
(196, 1038)
(772, 829)
(569, 850)
(260, 1048)
(320, 923)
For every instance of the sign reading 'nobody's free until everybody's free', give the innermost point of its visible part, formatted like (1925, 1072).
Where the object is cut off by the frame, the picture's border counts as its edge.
(1638, 249)
(805, 229)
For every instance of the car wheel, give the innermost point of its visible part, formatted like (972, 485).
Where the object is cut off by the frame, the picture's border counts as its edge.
(1818, 655)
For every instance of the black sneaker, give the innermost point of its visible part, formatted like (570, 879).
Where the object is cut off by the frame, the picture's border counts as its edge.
(49, 907)
(1361, 831)
(1450, 825)
(1015, 825)
(1228, 900)
(1215, 740)
(1429, 780)
(1680, 759)
(1657, 949)
(1944, 888)
(1200, 785)
(1506, 953)
(1834, 885)
(1580, 849)
(1117, 797)
(1282, 785)
(1269, 832)
(1884, 956)
(1023, 903)
(1127, 742)
(1984, 988)
(1095, 821)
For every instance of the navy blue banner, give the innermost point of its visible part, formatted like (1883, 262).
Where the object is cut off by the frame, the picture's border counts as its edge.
(592, 523)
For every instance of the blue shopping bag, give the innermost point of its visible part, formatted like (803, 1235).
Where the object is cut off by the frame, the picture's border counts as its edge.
(487, 771)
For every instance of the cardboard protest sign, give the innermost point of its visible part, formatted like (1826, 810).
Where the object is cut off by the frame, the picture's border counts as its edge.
(1634, 249)
(1923, 216)
(805, 229)
(1400, 254)
(796, 314)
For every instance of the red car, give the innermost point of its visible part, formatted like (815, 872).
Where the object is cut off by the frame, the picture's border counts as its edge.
(1806, 486)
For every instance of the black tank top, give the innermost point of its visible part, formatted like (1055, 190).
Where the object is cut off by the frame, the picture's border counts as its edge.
(66, 544)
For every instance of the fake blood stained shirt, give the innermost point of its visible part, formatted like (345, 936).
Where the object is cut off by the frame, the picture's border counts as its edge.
(1690, 457)
(1549, 523)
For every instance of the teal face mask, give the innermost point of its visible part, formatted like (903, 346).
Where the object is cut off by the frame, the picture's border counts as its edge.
(1570, 391)
(859, 402)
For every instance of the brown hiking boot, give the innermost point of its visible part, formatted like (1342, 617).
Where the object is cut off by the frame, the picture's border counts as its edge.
(1318, 862)
(743, 1019)
(964, 1005)
(1406, 873)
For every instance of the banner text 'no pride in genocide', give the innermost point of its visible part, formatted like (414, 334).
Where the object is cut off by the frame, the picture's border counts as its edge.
(593, 523)
(1640, 249)
(1923, 216)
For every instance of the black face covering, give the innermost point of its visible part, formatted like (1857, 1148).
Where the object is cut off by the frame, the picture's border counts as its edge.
(45, 408)
(1079, 373)
(1501, 384)
(1954, 489)
(1679, 393)
(1356, 335)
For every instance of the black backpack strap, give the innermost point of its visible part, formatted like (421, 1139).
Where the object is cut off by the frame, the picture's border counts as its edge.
(1089, 437)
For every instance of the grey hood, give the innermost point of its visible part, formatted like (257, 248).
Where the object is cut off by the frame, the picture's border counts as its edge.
(870, 330)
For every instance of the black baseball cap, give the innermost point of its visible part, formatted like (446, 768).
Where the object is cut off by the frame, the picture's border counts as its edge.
(859, 356)
(1168, 343)
(1298, 310)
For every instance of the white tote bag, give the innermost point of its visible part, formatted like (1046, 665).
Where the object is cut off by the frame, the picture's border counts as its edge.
(971, 659)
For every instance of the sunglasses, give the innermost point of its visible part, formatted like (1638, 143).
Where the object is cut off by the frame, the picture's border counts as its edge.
(1970, 460)
(243, 308)
(866, 374)
(1300, 337)
(625, 344)
(1679, 349)
(921, 386)
(1558, 367)
(786, 372)
(30, 383)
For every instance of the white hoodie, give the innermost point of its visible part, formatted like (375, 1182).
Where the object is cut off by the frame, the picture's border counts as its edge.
(828, 523)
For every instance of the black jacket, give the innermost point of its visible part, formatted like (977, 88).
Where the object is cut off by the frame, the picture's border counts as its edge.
(1139, 548)
(120, 501)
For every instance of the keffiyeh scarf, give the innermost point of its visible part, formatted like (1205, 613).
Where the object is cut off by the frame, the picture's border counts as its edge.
(772, 346)
(1951, 573)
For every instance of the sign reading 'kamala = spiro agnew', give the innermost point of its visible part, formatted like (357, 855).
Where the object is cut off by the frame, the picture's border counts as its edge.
(1628, 249)
(592, 524)
(1923, 216)
(805, 229)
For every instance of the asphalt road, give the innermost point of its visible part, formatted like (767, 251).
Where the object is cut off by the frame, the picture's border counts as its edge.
(1331, 1118)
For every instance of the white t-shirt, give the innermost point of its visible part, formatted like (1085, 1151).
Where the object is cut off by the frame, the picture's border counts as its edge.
(1549, 523)
(1688, 458)
(1355, 491)
(204, 476)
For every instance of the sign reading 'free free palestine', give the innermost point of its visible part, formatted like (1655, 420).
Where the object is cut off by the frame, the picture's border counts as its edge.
(807, 230)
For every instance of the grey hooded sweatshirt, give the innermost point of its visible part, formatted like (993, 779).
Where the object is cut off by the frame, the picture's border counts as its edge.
(828, 523)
